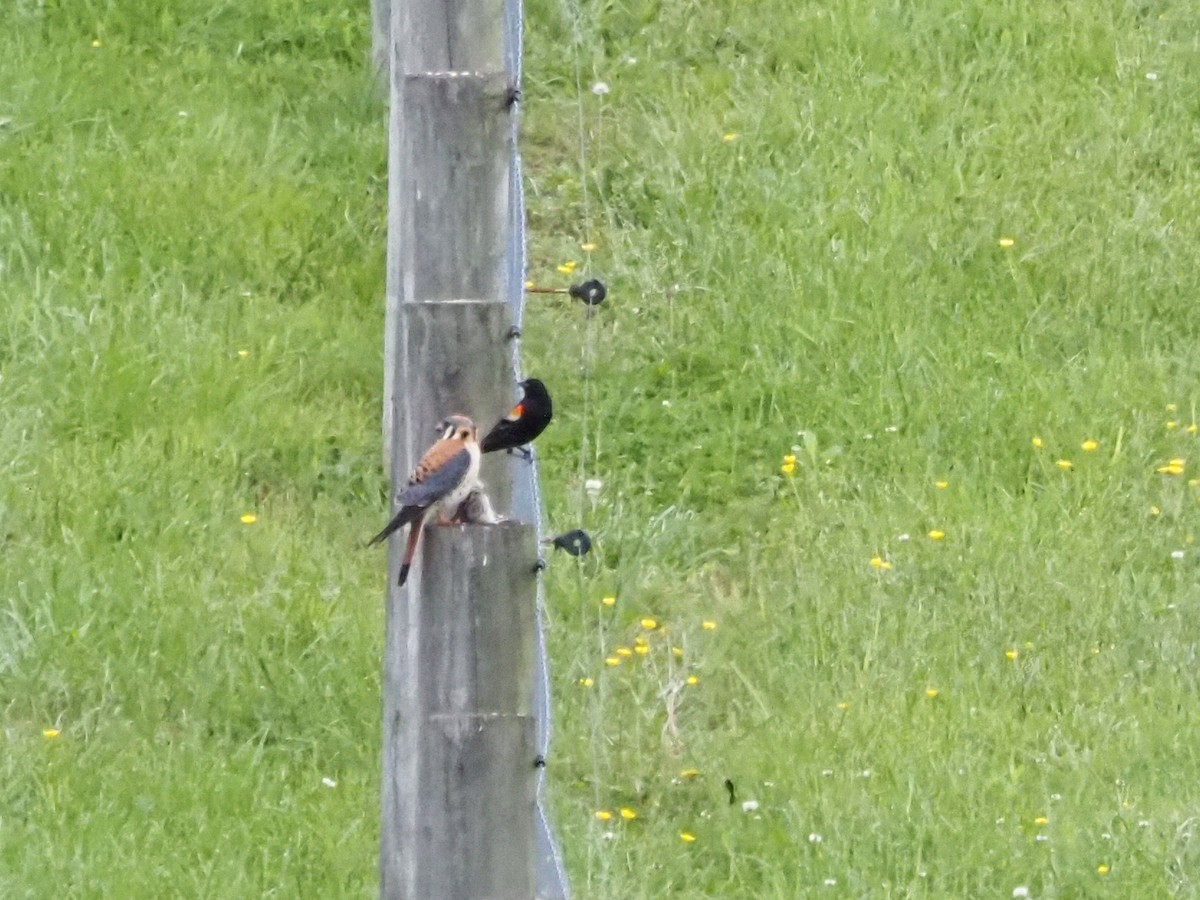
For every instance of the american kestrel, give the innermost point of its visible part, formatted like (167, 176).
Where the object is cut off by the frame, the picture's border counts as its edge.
(441, 481)
(524, 422)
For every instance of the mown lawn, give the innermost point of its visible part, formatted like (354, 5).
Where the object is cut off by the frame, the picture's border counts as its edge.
(943, 256)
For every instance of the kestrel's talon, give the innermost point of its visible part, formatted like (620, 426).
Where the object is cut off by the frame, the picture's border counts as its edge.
(477, 509)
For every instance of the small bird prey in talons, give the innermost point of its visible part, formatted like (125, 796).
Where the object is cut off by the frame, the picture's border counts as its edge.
(442, 480)
(576, 542)
(477, 508)
(524, 422)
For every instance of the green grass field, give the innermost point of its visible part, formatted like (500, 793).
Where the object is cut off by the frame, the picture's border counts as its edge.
(944, 257)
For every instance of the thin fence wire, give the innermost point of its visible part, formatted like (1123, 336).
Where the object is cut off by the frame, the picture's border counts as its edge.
(587, 449)
(527, 499)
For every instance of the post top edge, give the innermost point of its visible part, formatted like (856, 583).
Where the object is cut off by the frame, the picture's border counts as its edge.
(459, 301)
(463, 73)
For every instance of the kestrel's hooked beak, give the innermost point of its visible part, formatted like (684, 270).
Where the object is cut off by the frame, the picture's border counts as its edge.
(458, 428)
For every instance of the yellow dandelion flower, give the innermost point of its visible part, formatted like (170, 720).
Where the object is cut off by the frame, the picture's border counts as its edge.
(587, 246)
(627, 813)
(1012, 654)
(612, 660)
(686, 836)
(1172, 424)
(1006, 242)
(689, 773)
(603, 815)
(788, 468)
(1177, 461)
(878, 562)
(641, 649)
(729, 136)
(931, 692)
(649, 624)
(843, 705)
(1192, 429)
(530, 285)
(1041, 820)
(693, 679)
(96, 43)
(1065, 464)
(937, 534)
(609, 601)
(941, 485)
(1171, 407)
(568, 267)
(249, 518)
(586, 682)
(625, 652)
(1171, 468)
(242, 354)
(708, 625)
(1038, 443)
(1089, 445)
(789, 458)
(1155, 511)
(1102, 869)
(677, 652)
(50, 733)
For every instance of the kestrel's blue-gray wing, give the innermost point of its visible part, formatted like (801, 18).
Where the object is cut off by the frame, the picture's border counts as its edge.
(438, 473)
(436, 477)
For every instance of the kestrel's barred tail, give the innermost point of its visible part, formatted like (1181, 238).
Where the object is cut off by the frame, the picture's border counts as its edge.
(410, 550)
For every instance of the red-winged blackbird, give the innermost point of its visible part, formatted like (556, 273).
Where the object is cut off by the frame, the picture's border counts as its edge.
(524, 422)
